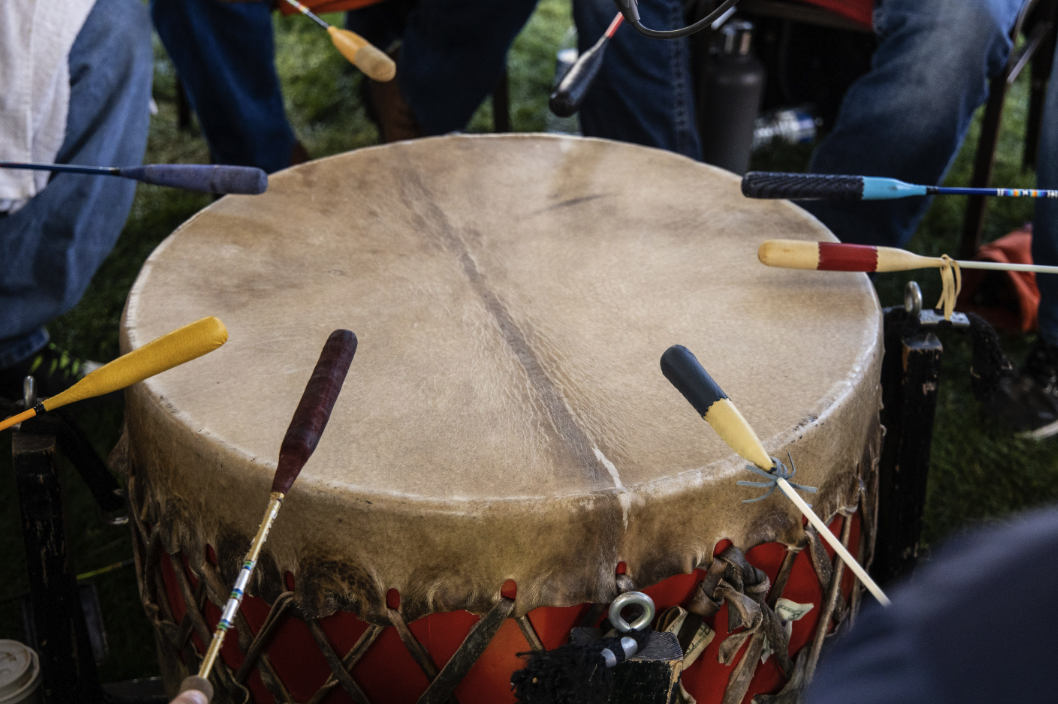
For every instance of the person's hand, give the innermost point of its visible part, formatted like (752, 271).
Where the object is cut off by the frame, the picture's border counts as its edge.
(191, 696)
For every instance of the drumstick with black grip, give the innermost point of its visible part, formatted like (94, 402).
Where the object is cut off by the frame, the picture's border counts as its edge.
(168, 351)
(219, 179)
(769, 185)
(569, 94)
(682, 368)
(836, 256)
(375, 64)
(306, 429)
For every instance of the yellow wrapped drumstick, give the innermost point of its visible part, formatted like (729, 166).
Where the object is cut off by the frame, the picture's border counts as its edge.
(358, 51)
(682, 368)
(168, 351)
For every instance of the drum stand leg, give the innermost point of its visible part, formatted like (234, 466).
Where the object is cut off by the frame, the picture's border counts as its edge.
(68, 668)
(910, 372)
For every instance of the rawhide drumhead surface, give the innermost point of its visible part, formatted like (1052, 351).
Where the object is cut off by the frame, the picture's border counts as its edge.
(505, 416)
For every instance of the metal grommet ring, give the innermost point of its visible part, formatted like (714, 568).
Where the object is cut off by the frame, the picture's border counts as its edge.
(913, 299)
(627, 599)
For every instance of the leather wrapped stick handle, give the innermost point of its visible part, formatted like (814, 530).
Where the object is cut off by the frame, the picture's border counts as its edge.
(769, 185)
(246, 180)
(682, 368)
(836, 256)
(374, 62)
(314, 409)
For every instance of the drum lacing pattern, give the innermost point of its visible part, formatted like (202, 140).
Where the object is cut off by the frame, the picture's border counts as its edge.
(149, 552)
(751, 601)
(730, 579)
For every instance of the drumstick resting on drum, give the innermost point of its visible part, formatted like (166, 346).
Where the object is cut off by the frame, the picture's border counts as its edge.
(763, 184)
(835, 256)
(168, 351)
(306, 428)
(570, 92)
(357, 50)
(682, 368)
(218, 179)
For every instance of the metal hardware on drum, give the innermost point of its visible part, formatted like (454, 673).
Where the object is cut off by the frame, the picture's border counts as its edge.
(928, 317)
(628, 645)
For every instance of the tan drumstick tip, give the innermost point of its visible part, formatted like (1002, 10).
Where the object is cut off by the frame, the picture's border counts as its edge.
(375, 64)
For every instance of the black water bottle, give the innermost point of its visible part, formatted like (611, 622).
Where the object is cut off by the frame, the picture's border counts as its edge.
(729, 98)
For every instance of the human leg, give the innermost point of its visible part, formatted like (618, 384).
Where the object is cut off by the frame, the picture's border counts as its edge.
(644, 91)
(51, 248)
(225, 56)
(907, 117)
(453, 55)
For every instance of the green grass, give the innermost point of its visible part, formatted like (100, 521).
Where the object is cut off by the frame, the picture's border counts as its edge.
(978, 473)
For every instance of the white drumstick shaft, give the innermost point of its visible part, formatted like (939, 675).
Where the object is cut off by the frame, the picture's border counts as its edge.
(999, 266)
(232, 607)
(844, 554)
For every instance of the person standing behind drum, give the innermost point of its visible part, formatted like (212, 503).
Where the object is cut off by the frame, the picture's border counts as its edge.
(907, 119)
(75, 80)
(452, 53)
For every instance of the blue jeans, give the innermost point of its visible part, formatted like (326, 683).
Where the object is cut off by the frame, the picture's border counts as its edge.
(452, 56)
(51, 248)
(908, 116)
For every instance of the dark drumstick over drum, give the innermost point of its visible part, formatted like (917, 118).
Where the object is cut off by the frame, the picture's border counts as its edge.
(219, 179)
(306, 428)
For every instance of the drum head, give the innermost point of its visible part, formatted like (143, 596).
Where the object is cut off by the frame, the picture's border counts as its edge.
(505, 416)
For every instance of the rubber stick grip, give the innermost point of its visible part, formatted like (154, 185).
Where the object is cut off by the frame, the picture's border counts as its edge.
(168, 351)
(682, 368)
(765, 184)
(569, 94)
(246, 180)
(314, 408)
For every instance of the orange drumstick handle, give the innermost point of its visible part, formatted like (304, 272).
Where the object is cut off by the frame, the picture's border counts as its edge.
(835, 256)
(314, 409)
(374, 62)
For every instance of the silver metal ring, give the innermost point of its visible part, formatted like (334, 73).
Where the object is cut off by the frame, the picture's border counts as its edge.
(627, 599)
(913, 299)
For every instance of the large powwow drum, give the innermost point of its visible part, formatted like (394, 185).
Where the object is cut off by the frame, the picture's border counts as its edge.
(506, 456)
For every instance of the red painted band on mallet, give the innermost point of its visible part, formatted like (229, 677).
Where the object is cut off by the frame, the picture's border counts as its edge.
(847, 257)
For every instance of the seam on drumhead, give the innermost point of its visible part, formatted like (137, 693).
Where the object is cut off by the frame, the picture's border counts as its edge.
(568, 432)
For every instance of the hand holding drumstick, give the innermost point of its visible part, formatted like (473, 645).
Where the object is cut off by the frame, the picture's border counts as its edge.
(685, 372)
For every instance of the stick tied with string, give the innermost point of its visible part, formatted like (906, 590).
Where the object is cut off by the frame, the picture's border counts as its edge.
(684, 371)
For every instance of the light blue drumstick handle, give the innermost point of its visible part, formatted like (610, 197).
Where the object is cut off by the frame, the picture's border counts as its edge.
(875, 188)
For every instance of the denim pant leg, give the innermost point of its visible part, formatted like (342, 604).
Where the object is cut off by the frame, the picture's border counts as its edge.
(1045, 228)
(51, 248)
(224, 54)
(644, 91)
(907, 117)
(453, 55)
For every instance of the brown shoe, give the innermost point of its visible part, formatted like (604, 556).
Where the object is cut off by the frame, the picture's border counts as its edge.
(386, 106)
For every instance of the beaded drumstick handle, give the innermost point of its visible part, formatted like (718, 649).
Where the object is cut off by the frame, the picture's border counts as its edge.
(685, 372)
(357, 50)
(306, 428)
(763, 184)
(168, 351)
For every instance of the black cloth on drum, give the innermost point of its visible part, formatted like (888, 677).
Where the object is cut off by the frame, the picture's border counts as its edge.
(977, 624)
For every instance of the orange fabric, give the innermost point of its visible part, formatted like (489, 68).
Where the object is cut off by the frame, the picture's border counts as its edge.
(856, 10)
(321, 6)
(1006, 299)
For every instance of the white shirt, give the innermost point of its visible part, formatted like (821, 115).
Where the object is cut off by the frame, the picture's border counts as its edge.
(35, 41)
